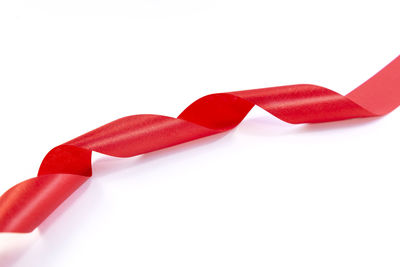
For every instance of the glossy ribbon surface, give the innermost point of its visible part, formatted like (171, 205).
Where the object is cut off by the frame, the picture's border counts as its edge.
(66, 167)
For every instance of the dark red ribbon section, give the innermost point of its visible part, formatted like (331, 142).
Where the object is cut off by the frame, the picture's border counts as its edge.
(66, 167)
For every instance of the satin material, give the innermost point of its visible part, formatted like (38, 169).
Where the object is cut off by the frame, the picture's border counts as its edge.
(66, 167)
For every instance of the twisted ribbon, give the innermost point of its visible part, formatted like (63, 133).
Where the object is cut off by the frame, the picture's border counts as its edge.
(66, 167)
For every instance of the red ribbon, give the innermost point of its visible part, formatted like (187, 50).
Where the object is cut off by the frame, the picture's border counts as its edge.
(66, 167)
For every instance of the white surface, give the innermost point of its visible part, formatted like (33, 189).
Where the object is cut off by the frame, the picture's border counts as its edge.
(265, 194)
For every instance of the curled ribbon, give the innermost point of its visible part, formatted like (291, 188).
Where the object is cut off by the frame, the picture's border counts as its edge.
(66, 167)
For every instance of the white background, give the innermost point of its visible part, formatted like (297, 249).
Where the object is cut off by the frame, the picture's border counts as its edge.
(266, 194)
